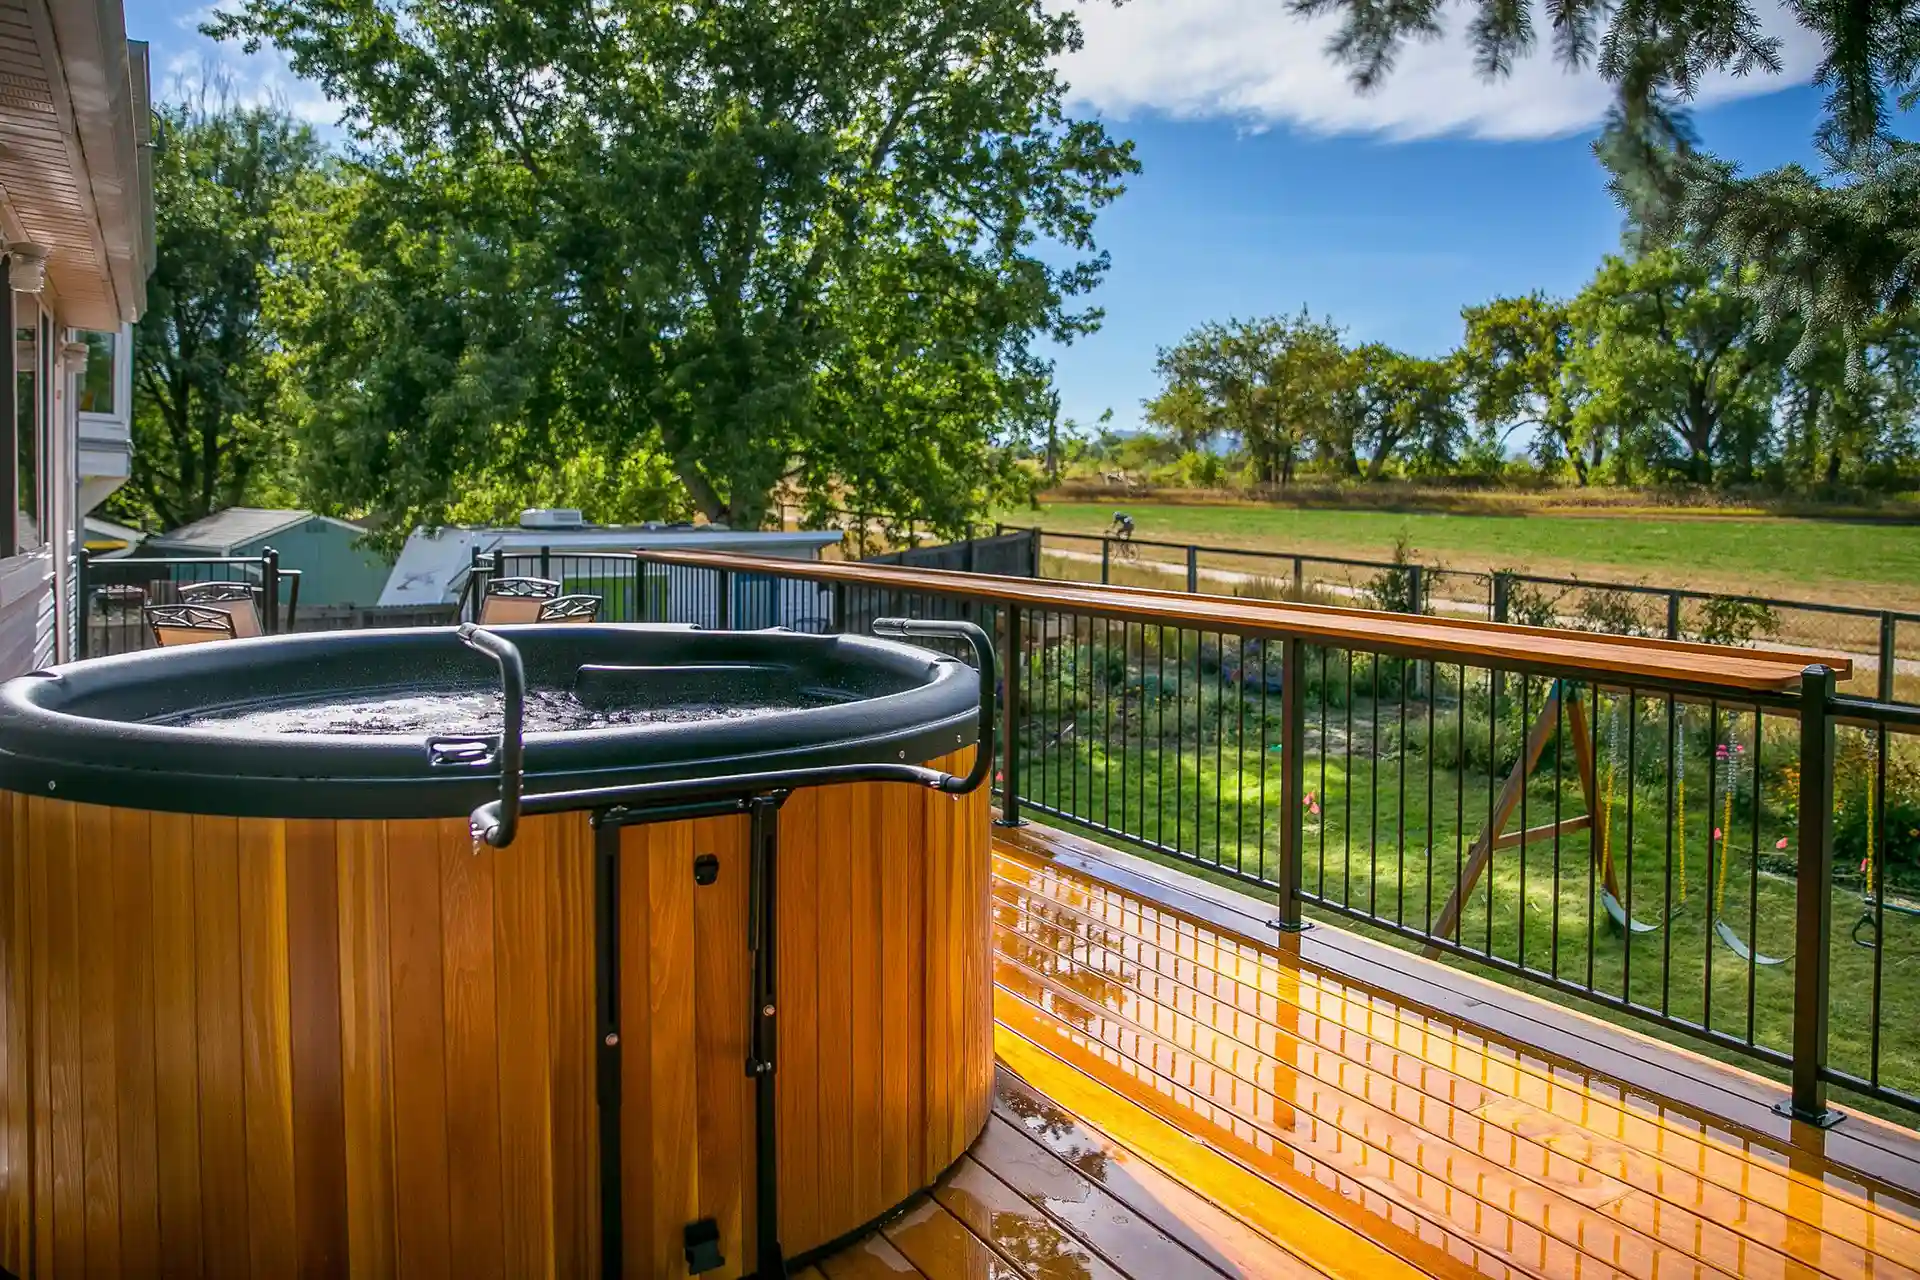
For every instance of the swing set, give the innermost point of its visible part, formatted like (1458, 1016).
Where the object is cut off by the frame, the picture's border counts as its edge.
(1599, 796)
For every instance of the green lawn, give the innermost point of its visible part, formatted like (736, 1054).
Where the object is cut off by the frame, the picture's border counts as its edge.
(1198, 773)
(1825, 560)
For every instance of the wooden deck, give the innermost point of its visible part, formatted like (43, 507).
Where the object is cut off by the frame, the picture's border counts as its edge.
(1177, 1099)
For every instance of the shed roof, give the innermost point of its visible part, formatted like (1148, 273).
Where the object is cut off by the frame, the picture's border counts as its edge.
(222, 531)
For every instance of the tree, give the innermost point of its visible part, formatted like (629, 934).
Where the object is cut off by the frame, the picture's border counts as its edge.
(1268, 382)
(1671, 356)
(1826, 251)
(204, 433)
(815, 242)
(1422, 424)
(1842, 428)
(1516, 366)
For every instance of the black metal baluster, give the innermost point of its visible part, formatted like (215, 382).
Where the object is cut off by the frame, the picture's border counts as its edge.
(1596, 832)
(1493, 754)
(1460, 802)
(1753, 873)
(1526, 722)
(1160, 740)
(1346, 797)
(1558, 692)
(1713, 855)
(1433, 697)
(1284, 747)
(1321, 796)
(1878, 781)
(1400, 858)
(1666, 933)
(1626, 930)
(1219, 738)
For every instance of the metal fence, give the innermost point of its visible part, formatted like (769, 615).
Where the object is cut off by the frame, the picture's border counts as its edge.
(1884, 644)
(1712, 862)
(112, 594)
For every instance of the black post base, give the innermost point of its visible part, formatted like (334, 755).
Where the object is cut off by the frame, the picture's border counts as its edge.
(1822, 1119)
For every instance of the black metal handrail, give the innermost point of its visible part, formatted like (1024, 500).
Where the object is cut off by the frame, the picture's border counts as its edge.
(1371, 780)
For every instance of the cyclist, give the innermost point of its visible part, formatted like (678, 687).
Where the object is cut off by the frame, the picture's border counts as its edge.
(1122, 526)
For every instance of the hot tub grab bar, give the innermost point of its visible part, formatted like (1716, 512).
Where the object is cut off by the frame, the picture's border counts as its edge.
(496, 821)
(513, 687)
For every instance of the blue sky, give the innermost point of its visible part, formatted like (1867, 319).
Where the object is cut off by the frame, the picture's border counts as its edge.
(1268, 184)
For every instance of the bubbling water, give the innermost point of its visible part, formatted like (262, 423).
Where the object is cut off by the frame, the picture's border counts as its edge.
(478, 712)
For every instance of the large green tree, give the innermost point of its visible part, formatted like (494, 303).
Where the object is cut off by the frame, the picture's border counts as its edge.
(1268, 383)
(204, 432)
(817, 241)
(1676, 366)
(1821, 250)
(1516, 365)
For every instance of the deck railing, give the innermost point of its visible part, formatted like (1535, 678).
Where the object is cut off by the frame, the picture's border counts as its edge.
(111, 594)
(1885, 642)
(1712, 841)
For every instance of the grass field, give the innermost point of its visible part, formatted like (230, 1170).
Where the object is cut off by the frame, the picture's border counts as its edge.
(1834, 561)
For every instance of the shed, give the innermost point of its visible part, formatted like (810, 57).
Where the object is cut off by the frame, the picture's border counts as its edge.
(434, 564)
(334, 568)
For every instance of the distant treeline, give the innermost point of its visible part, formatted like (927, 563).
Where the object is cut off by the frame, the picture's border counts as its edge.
(1659, 371)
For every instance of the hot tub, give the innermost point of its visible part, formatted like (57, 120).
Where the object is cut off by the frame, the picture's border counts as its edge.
(551, 950)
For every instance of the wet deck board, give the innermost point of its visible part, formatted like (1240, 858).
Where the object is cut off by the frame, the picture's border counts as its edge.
(1175, 1099)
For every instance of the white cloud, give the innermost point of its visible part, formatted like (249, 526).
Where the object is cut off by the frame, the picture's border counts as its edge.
(1252, 61)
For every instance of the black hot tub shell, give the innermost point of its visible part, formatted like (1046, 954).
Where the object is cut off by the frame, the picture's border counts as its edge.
(146, 730)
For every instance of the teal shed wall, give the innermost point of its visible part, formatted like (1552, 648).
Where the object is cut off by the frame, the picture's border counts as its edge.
(332, 569)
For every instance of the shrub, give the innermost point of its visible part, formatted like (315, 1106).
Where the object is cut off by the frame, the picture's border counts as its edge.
(1738, 622)
(1394, 590)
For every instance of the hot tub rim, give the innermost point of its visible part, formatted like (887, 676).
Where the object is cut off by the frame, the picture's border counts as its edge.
(50, 752)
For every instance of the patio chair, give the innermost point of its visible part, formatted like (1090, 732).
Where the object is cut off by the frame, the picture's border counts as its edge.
(174, 624)
(234, 598)
(570, 609)
(511, 600)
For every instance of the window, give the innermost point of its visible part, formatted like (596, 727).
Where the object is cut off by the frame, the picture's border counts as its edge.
(27, 437)
(99, 383)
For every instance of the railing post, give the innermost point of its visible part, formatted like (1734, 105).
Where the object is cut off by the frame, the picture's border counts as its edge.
(1299, 579)
(839, 607)
(270, 587)
(1193, 570)
(1502, 596)
(723, 607)
(1812, 941)
(1673, 615)
(546, 562)
(1888, 660)
(1011, 665)
(1416, 578)
(1106, 561)
(1293, 779)
(81, 592)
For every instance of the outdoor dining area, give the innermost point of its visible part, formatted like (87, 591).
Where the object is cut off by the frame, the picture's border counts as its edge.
(231, 610)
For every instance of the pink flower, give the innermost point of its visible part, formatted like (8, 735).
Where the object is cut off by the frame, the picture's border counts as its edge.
(1782, 843)
(1716, 833)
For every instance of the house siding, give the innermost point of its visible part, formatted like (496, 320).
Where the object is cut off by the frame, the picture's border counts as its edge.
(26, 614)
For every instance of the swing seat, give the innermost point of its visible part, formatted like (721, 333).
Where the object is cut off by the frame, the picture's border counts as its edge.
(1869, 921)
(1739, 947)
(1618, 912)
